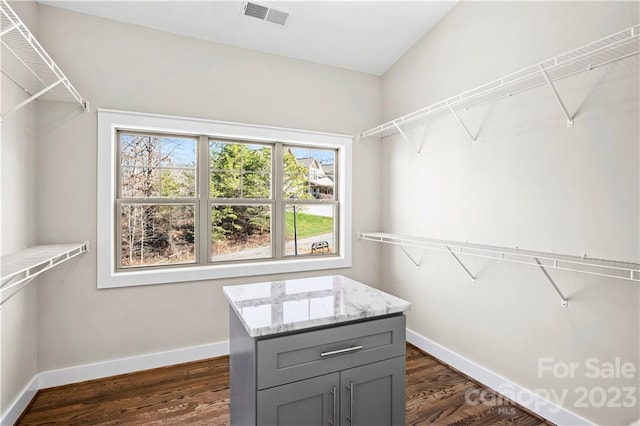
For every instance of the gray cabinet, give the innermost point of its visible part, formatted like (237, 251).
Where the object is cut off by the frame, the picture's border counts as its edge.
(373, 394)
(346, 374)
(370, 395)
(312, 402)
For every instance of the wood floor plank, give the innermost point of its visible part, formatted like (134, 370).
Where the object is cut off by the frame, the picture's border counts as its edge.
(197, 393)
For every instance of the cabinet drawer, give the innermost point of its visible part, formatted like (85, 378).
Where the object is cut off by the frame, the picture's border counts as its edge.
(299, 356)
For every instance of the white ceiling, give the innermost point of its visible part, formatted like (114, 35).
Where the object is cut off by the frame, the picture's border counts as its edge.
(366, 36)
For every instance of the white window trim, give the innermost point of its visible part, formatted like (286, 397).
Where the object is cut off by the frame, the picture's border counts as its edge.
(109, 121)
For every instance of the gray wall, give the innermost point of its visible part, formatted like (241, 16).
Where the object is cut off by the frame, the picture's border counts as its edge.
(18, 316)
(122, 66)
(530, 182)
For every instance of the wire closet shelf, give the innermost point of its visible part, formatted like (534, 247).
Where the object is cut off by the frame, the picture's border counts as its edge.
(604, 268)
(19, 268)
(27, 64)
(607, 50)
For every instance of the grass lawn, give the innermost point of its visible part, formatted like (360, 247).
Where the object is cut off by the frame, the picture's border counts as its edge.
(308, 225)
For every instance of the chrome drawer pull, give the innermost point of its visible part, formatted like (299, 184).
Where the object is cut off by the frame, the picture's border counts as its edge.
(334, 392)
(352, 403)
(341, 351)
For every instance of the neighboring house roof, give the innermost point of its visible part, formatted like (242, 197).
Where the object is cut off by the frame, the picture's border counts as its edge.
(327, 169)
(306, 161)
(323, 181)
(319, 178)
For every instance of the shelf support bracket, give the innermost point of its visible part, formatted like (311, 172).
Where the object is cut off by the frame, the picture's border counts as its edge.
(557, 97)
(466, 129)
(404, 136)
(410, 257)
(20, 284)
(461, 264)
(424, 136)
(31, 98)
(563, 300)
(8, 30)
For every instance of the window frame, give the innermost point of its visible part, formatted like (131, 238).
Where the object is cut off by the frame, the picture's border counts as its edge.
(111, 121)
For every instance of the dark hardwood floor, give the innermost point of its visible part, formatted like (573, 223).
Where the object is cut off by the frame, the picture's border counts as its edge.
(197, 393)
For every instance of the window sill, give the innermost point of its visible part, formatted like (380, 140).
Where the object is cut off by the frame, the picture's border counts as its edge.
(214, 272)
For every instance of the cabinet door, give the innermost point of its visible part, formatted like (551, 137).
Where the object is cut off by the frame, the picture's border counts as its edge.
(374, 394)
(311, 402)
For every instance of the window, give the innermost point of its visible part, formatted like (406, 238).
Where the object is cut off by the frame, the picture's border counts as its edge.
(183, 199)
(241, 202)
(156, 201)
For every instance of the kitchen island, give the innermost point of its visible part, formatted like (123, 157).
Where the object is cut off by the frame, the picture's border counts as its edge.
(316, 351)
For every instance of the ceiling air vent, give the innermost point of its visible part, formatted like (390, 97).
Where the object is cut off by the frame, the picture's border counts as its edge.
(265, 13)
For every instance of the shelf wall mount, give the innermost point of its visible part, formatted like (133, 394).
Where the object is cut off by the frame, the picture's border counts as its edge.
(29, 66)
(557, 97)
(406, 253)
(417, 149)
(459, 120)
(462, 265)
(563, 300)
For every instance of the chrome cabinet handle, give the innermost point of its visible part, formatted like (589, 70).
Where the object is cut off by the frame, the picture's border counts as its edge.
(341, 351)
(351, 388)
(334, 392)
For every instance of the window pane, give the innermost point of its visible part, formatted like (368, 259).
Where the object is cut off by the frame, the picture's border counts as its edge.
(239, 170)
(157, 166)
(157, 234)
(177, 152)
(177, 183)
(240, 232)
(139, 150)
(226, 184)
(309, 229)
(139, 182)
(309, 173)
(256, 185)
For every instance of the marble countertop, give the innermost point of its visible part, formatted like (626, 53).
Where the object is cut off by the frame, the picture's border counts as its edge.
(281, 306)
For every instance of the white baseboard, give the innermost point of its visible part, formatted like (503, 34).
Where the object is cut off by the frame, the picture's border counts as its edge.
(519, 394)
(98, 370)
(21, 403)
(115, 367)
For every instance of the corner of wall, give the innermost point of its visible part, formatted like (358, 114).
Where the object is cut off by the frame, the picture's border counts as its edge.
(18, 209)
